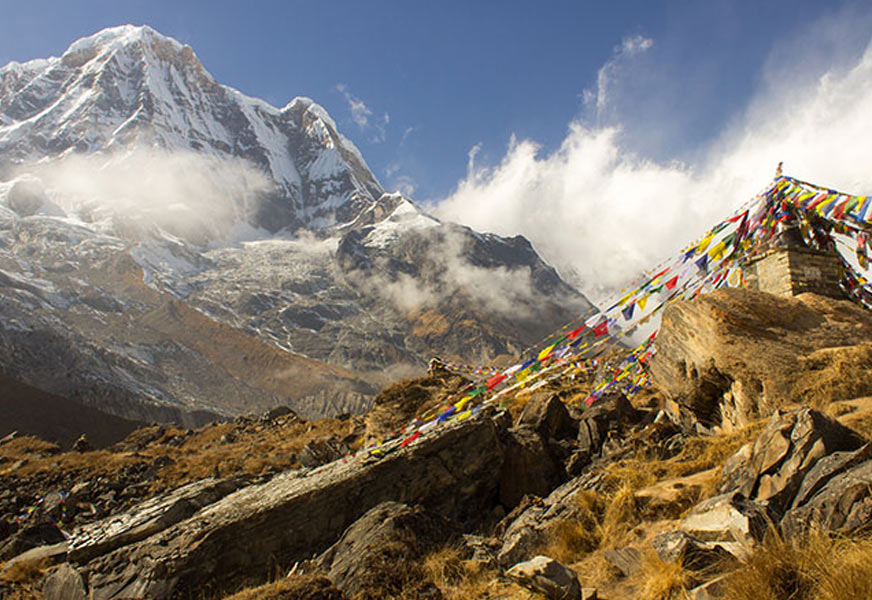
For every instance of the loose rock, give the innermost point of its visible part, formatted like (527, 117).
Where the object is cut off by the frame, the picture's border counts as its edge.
(548, 577)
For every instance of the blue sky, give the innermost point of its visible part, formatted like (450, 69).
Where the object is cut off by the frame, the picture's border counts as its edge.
(451, 75)
(608, 133)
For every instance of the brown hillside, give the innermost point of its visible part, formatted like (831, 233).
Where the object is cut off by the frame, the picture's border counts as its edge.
(30, 411)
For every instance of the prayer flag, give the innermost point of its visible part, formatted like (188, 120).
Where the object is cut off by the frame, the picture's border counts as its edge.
(572, 334)
(601, 329)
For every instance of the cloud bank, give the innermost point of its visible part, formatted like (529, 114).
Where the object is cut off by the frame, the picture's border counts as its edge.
(601, 213)
(196, 197)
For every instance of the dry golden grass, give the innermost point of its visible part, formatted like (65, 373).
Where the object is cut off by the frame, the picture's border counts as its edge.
(620, 516)
(25, 571)
(663, 580)
(834, 374)
(817, 566)
(18, 594)
(248, 450)
(293, 587)
(458, 579)
(855, 413)
(606, 520)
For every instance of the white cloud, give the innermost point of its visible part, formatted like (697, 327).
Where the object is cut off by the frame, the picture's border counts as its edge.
(190, 195)
(406, 133)
(599, 98)
(405, 185)
(635, 44)
(602, 213)
(399, 181)
(361, 114)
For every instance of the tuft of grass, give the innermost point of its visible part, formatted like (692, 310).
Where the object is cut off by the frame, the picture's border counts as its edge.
(458, 579)
(816, 566)
(570, 539)
(25, 572)
(293, 587)
(663, 580)
(620, 516)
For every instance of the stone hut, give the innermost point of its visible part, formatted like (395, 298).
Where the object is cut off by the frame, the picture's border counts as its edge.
(791, 267)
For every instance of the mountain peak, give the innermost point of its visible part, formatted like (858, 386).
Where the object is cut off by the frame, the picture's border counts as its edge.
(112, 39)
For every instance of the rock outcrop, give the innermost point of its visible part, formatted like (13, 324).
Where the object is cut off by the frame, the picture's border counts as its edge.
(379, 552)
(803, 470)
(736, 355)
(771, 470)
(454, 471)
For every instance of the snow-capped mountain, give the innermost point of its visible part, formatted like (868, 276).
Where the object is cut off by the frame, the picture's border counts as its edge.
(131, 87)
(170, 246)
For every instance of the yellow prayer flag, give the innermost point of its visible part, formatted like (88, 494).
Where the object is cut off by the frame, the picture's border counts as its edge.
(717, 252)
(704, 243)
(544, 354)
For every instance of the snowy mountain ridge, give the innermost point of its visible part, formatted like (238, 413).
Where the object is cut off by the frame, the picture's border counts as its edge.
(171, 249)
(131, 87)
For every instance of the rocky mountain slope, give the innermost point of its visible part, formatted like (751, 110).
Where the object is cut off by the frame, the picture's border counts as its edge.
(171, 249)
(626, 499)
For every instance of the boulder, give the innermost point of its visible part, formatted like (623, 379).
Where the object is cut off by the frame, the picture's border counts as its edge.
(827, 468)
(279, 411)
(526, 529)
(480, 550)
(842, 504)
(771, 470)
(82, 444)
(401, 402)
(625, 561)
(528, 467)
(671, 498)
(548, 577)
(39, 532)
(548, 416)
(147, 518)
(321, 451)
(714, 589)
(736, 355)
(727, 518)
(47, 554)
(453, 470)
(63, 583)
(611, 415)
(378, 553)
(691, 553)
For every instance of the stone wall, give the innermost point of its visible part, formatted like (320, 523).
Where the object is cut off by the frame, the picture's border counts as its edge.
(792, 271)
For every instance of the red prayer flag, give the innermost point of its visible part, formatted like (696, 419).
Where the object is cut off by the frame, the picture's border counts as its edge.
(741, 215)
(670, 285)
(410, 439)
(495, 381)
(575, 332)
(601, 329)
(663, 272)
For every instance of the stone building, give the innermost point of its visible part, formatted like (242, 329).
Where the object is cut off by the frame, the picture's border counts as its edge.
(791, 267)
